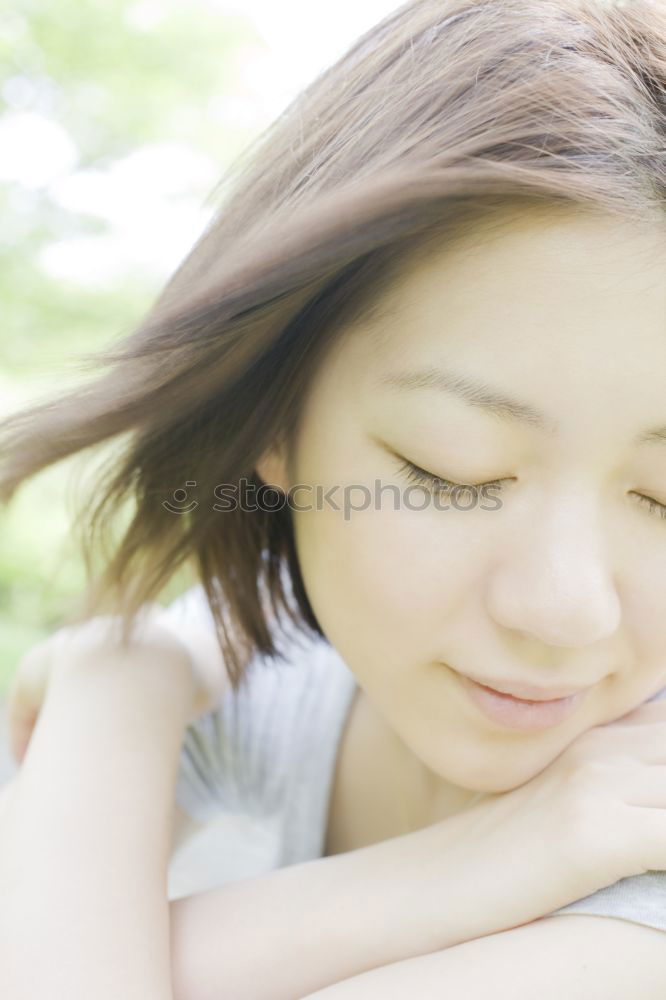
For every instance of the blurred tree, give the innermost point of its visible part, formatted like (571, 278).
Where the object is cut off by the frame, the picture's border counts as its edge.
(116, 121)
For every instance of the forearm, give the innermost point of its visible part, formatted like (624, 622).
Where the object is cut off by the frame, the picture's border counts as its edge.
(86, 839)
(576, 956)
(299, 928)
(309, 925)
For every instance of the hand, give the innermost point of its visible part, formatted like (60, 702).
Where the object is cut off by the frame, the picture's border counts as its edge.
(67, 645)
(594, 815)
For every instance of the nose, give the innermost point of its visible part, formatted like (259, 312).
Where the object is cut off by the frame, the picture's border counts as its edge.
(553, 582)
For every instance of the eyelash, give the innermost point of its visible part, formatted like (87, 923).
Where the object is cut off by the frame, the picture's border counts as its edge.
(655, 507)
(416, 474)
(437, 483)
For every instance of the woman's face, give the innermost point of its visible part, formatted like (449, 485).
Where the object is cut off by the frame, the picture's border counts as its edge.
(558, 579)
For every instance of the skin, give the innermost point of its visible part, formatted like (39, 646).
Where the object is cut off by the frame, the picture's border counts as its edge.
(565, 584)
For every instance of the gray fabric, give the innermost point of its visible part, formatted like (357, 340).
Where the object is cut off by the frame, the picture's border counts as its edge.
(256, 774)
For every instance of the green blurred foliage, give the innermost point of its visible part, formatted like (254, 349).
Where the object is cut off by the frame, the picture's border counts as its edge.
(116, 86)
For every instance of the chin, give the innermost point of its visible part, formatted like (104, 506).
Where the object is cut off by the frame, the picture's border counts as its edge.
(507, 783)
(493, 778)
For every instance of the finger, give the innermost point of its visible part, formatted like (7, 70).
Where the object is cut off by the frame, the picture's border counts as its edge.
(644, 786)
(646, 832)
(647, 711)
(638, 740)
(645, 742)
(206, 661)
(108, 631)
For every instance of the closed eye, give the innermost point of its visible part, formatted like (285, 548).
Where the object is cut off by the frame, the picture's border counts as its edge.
(659, 509)
(416, 474)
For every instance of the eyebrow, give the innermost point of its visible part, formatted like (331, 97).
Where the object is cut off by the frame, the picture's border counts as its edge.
(488, 398)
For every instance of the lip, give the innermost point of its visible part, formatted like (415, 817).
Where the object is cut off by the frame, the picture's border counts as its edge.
(519, 713)
(525, 692)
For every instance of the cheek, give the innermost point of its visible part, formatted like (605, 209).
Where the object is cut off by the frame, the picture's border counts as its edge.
(396, 574)
(644, 609)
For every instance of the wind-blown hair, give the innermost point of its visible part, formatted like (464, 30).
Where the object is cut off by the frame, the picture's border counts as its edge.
(443, 113)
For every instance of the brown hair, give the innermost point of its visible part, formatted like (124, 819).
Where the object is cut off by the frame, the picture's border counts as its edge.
(444, 112)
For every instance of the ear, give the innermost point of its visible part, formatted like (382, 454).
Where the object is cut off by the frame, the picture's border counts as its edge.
(272, 468)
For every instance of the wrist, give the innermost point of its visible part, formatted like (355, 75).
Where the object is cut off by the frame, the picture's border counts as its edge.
(86, 658)
(443, 881)
(492, 874)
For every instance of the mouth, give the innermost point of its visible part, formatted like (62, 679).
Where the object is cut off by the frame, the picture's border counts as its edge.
(525, 692)
(524, 714)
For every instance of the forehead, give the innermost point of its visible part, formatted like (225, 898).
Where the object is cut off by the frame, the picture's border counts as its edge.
(528, 285)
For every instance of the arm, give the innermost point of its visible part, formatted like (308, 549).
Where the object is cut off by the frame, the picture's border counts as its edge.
(359, 916)
(305, 926)
(84, 848)
(327, 920)
(579, 957)
(84, 852)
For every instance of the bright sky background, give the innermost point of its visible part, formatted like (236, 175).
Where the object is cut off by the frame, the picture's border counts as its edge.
(151, 199)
